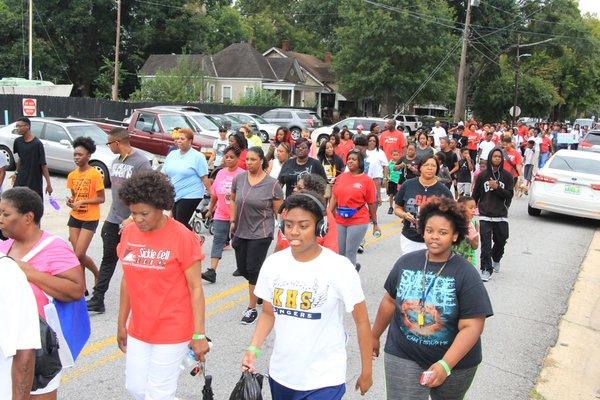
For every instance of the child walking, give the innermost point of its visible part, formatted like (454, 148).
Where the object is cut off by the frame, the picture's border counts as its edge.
(393, 179)
(468, 247)
(529, 160)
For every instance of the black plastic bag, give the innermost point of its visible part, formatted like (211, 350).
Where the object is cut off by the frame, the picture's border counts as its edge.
(248, 387)
(47, 360)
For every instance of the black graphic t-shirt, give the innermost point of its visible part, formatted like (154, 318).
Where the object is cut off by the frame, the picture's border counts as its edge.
(458, 293)
(463, 175)
(411, 196)
(291, 171)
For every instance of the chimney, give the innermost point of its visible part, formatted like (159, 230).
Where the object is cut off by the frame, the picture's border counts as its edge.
(285, 45)
(327, 57)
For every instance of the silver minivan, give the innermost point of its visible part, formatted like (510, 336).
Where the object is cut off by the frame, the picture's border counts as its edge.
(294, 119)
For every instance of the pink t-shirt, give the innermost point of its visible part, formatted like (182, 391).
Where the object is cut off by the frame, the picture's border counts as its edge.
(221, 188)
(56, 258)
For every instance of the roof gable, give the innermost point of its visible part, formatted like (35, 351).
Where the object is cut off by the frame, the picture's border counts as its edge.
(241, 60)
(166, 62)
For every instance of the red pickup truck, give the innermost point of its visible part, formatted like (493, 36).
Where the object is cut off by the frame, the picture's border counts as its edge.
(150, 130)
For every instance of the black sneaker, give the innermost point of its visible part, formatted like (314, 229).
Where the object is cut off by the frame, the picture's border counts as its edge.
(361, 249)
(390, 210)
(250, 316)
(259, 301)
(236, 273)
(357, 266)
(96, 305)
(210, 275)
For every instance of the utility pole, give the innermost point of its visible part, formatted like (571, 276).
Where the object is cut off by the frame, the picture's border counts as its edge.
(459, 104)
(30, 75)
(115, 88)
(516, 96)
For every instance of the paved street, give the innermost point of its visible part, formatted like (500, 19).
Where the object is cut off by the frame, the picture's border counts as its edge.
(529, 296)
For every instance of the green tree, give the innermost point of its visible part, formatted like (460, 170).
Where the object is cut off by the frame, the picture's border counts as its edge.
(261, 97)
(184, 83)
(387, 55)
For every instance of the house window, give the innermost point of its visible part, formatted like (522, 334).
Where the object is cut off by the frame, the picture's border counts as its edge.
(211, 93)
(248, 91)
(226, 95)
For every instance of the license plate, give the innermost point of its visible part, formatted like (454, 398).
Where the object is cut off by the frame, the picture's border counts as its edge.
(572, 189)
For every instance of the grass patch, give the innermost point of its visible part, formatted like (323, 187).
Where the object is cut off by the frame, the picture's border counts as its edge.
(535, 395)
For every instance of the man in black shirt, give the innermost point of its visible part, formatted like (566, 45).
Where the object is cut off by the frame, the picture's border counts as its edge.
(297, 166)
(32, 159)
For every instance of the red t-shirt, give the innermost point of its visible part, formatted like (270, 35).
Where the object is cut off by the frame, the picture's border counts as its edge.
(330, 240)
(392, 140)
(154, 265)
(516, 159)
(344, 148)
(472, 139)
(545, 145)
(242, 159)
(354, 191)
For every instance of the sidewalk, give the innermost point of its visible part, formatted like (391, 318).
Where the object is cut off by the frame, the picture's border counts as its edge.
(571, 370)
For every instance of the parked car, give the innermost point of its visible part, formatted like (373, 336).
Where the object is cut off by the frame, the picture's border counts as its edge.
(266, 130)
(352, 123)
(199, 120)
(232, 123)
(591, 141)
(409, 123)
(150, 129)
(294, 119)
(57, 136)
(568, 184)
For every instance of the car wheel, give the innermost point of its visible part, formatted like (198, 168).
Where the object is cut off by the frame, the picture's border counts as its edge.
(296, 133)
(197, 225)
(534, 212)
(264, 136)
(103, 171)
(322, 138)
(8, 155)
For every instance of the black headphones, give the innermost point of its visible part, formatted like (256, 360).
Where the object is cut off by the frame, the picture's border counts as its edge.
(322, 225)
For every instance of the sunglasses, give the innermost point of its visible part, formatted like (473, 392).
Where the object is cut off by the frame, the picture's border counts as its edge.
(111, 142)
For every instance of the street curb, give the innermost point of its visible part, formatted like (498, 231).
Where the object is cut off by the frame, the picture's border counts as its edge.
(571, 369)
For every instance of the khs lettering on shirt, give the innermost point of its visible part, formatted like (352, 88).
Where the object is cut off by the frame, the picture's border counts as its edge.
(294, 303)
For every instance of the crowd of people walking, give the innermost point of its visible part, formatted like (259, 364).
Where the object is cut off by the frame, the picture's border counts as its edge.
(451, 189)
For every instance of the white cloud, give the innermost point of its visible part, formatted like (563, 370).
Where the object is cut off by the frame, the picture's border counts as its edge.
(591, 6)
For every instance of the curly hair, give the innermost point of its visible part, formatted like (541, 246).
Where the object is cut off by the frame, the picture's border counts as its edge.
(25, 200)
(85, 142)
(448, 209)
(233, 148)
(148, 187)
(314, 183)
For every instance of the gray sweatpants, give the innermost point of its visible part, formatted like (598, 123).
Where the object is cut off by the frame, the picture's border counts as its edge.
(402, 381)
(349, 238)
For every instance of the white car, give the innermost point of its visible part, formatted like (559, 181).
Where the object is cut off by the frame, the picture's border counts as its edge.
(198, 121)
(267, 130)
(569, 184)
(322, 133)
(57, 136)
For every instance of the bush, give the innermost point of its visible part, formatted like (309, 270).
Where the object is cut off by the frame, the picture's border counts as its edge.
(261, 97)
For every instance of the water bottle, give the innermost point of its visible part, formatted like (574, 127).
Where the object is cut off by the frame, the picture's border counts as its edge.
(377, 234)
(189, 361)
(54, 203)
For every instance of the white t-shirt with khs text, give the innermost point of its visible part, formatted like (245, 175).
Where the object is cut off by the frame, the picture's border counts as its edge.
(309, 300)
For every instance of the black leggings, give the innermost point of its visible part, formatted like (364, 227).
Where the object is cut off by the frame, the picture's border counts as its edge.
(250, 255)
(183, 209)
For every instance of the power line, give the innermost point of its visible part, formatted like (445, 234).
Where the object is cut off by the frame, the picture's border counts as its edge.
(485, 55)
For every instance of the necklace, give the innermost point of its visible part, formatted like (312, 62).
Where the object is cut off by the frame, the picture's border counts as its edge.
(427, 186)
(425, 289)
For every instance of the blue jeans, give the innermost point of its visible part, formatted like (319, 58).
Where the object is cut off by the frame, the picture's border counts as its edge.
(280, 392)
(543, 159)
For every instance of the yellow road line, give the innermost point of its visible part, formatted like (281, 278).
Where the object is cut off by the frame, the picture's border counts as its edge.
(118, 354)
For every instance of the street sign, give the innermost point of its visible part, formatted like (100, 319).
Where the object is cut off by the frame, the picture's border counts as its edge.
(514, 111)
(29, 107)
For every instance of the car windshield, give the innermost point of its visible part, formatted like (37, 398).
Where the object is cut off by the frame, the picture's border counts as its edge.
(205, 123)
(309, 115)
(576, 164)
(172, 121)
(91, 131)
(593, 138)
(259, 119)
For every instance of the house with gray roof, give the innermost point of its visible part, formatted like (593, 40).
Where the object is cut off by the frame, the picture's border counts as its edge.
(240, 69)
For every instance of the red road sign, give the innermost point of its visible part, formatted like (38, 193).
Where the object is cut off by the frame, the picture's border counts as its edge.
(30, 107)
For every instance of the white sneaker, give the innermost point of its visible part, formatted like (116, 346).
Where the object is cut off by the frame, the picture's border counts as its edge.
(496, 266)
(486, 276)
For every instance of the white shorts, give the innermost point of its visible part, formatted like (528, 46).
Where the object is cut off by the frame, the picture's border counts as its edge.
(152, 370)
(51, 386)
(463, 188)
(408, 246)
